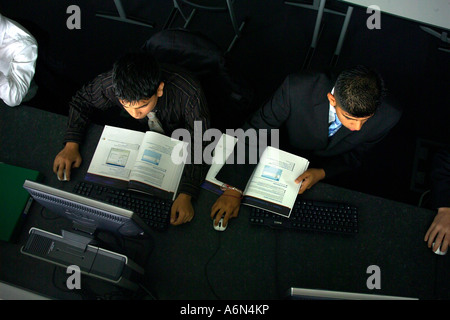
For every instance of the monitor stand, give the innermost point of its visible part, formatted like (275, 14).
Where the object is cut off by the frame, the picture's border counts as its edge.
(73, 249)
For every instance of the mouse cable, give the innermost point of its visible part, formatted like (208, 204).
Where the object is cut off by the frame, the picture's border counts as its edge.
(206, 267)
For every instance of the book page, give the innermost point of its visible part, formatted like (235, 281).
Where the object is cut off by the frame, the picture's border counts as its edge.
(272, 185)
(222, 151)
(116, 153)
(160, 162)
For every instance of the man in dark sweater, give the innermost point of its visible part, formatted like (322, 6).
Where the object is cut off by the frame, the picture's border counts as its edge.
(163, 97)
(330, 122)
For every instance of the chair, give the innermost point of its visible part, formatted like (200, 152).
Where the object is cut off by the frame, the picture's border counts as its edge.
(228, 95)
(123, 16)
(319, 5)
(207, 5)
(443, 36)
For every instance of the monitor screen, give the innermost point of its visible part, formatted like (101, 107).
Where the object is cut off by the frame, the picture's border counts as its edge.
(315, 294)
(87, 215)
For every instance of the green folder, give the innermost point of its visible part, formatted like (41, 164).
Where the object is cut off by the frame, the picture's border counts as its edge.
(14, 199)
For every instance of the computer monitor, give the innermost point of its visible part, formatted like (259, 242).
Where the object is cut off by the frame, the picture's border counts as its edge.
(78, 246)
(317, 294)
(87, 215)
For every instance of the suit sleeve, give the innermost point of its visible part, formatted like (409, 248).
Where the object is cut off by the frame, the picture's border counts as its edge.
(440, 179)
(239, 165)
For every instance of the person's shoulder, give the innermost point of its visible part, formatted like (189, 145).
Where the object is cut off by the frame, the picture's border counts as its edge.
(390, 108)
(313, 77)
(180, 79)
(315, 84)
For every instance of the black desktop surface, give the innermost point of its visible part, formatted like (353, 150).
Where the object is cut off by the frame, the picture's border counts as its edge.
(193, 261)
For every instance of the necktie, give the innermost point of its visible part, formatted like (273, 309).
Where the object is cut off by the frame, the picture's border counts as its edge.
(154, 124)
(334, 126)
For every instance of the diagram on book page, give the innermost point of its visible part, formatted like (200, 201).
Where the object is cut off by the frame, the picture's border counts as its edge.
(274, 177)
(271, 173)
(151, 156)
(118, 157)
(116, 153)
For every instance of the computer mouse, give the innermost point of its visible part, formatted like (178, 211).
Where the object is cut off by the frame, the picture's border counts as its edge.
(65, 176)
(220, 226)
(439, 252)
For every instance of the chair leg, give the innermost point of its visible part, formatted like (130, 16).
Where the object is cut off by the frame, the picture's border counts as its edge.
(173, 14)
(188, 20)
(233, 17)
(122, 16)
(318, 23)
(337, 52)
(171, 18)
(235, 37)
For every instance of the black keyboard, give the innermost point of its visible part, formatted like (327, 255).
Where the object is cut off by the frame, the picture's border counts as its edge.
(155, 212)
(310, 215)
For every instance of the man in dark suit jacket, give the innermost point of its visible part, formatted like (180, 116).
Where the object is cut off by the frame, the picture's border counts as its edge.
(331, 123)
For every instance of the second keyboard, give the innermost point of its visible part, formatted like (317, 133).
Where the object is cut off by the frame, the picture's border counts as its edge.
(310, 215)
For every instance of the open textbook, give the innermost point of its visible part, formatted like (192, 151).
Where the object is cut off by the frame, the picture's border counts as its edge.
(272, 184)
(146, 162)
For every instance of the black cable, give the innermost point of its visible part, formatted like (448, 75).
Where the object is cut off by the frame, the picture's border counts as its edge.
(277, 281)
(206, 267)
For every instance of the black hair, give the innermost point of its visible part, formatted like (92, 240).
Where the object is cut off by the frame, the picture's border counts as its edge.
(136, 76)
(359, 90)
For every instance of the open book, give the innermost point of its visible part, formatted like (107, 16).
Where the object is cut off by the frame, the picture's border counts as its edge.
(146, 162)
(272, 184)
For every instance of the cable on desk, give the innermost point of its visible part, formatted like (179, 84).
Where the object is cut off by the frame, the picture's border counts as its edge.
(207, 263)
(277, 281)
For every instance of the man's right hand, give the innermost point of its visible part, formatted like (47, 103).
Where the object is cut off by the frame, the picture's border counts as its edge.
(226, 206)
(66, 159)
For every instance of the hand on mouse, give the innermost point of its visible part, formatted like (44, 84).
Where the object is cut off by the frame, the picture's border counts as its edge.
(69, 157)
(439, 231)
(226, 206)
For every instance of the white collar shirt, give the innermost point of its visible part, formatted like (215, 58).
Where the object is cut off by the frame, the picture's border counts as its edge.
(18, 54)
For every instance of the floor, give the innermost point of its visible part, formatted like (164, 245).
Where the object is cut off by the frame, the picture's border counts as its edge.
(274, 42)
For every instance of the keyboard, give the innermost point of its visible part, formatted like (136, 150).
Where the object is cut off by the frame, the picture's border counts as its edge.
(308, 215)
(155, 212)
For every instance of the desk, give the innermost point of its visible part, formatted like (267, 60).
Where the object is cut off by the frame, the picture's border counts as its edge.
(431, 12)
(193, 261)
(434, 13)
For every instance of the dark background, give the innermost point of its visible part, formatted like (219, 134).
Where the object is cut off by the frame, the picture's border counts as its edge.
(274, 43)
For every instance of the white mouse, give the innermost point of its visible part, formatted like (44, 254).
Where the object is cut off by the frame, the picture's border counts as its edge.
(65, 176)
(220, 226)
(439, 252)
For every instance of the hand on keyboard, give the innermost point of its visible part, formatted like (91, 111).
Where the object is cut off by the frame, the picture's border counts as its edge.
(182, 210)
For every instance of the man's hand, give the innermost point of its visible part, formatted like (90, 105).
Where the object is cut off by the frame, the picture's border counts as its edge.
(309, 178)
(66, 159)
(226, 206)
(439, 231)
(182, 210)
